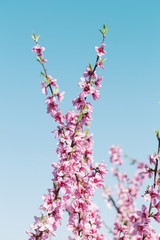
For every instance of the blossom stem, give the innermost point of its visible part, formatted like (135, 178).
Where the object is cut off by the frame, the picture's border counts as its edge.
(46, 74)
(155, 173)
(156, 166)
(97, 58)
(114, 204)
(72, 144)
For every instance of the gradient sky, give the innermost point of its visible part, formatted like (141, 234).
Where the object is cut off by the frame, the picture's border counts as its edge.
(127, 113)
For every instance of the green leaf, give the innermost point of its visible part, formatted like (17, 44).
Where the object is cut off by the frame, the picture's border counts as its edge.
(42, 74)
(86, 132)
(35, 38)
(82, 183)
(47, 80)
(56, 91)
(106, 31)
(73, 148)
(81, 114)
(42, 217)
(102, 60)
(151, 214)
(79, 118)
(158, 180)
(85, 108)
(82, 215)
(54, 185)
(90, 66)
(147, 188)
(104, 27)
(77, 131)
(156, 132)
(39, 60)
(100, 30)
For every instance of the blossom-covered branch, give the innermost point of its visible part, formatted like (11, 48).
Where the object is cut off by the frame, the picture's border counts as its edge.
(130, 222)
(127, 191)
(74, 176)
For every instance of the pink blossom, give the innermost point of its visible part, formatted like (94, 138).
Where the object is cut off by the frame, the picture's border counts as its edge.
(101, 168)
(52, 81)
(44, 88)
(118, 228)
(156, 217)
(44, 225)
(116, 155)
(79, 102)
(97, 83)
(151, 193)
(86, 87)
(38, 50)
(59, 131)
(43, 59)
(96, 94)
(144, 214)
(49, 203)
(89, 73)
(154, 157)
(51, 104)
(148, 170)
(158, 182)
(60, 96)
(97, 181)
(100, 51)
(58, 117)
(140, 229)
(156, 205)
(100, 63)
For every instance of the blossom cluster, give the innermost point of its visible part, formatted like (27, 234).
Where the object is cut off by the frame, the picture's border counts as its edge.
(75, 178)
(130, 222)
(143, 228)
(116, 155)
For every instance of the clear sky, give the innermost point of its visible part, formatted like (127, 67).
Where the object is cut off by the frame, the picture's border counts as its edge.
(127, 113)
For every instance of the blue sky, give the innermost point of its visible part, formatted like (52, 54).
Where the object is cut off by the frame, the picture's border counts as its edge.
(127, 113)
